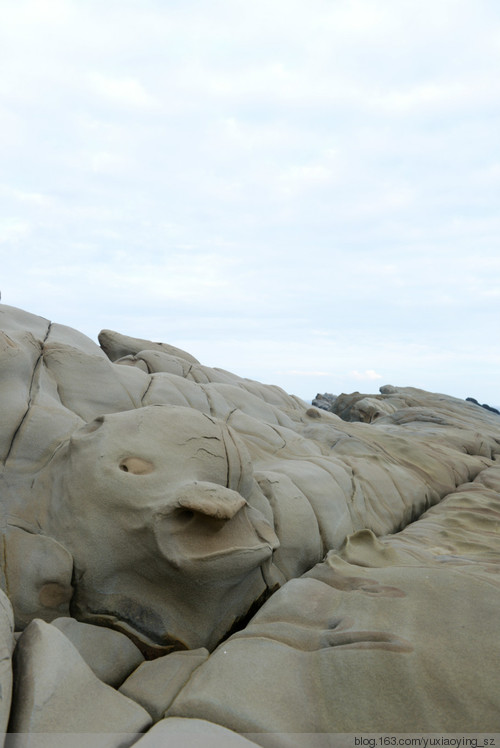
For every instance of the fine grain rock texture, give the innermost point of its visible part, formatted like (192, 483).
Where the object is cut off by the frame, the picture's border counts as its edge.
(109, 654)
(56, 692)
(6, 648)
(286, 570)
(192, 733)
(155, 684)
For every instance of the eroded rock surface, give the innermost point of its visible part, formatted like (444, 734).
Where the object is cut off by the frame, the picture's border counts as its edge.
(155, 684)
(195, 733)
(146, 493)
(6, 648)
(56, 692)
(110, 655)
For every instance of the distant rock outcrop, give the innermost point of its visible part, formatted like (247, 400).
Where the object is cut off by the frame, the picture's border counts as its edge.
(324, 401)
(367, 408)
(483, 405)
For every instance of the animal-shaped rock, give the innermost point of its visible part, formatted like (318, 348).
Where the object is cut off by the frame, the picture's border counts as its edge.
(155, 507)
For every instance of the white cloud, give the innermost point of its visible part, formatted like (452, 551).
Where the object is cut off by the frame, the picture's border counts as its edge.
(104, 162)
(33, 198)
(369, 375)
(12, 230)
(297, 179)
(122, 90)
(195, 279)
(300, 373)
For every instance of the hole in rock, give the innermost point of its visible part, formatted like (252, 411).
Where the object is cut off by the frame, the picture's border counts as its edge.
(136, 466)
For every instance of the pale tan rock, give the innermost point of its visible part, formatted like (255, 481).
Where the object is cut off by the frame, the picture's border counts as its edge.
(7, 643)
(72, 740)
(117, 346)
(170, 388)
(152, 362)
(88, 385)
(341, 470)
(384, 650)
(110, 654)
(155, 491)
(166, 492)
(192, 733)
(238, 397)
(301, 544)
(55, 691)
(461, 531)
(155, 684)
(368, 409)
(389, 635)
(38, 572)
(18, 356)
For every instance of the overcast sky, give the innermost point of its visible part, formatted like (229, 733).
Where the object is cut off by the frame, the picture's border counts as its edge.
(304, 192)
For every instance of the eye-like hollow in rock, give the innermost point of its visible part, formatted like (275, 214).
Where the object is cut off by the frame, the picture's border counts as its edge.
(136, 466)
(184, 514)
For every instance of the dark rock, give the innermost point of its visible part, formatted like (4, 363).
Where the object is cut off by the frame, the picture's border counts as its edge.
(324, 401)
(482, 405)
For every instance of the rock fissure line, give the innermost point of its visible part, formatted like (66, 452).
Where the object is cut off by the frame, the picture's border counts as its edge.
(38, 363)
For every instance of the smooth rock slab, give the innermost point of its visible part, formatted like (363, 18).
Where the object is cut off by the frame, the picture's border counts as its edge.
(350, 649)
(109, 654)
(6, 647)
(41, 588)
(192, 733)
(55, 691)
(155, 684)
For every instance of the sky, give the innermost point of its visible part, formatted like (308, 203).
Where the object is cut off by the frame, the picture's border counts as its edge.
(303, 192)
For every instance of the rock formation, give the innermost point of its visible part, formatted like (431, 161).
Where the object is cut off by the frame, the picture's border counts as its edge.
(483, 405)
(282, 569)
(324, 401)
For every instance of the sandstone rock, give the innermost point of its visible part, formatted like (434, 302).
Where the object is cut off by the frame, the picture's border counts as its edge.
(42, 588)
(73, 496)
(324, 401)
(109, 654)
(155, 684)
(168, 500)
(166, 492)
(55, 691)
(6, 647)
(116, 346)
(383, 650)
(483, 405)
(386, 635)
(192, 733)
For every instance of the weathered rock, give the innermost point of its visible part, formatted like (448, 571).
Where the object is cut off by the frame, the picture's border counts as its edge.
(235, 448)
(155, 684)
(109, 654)
(42, 588)
(483, 405)
(168, 500)
(116, 346)
(6, 647)
(324, 401)
(386, 636)
(166, 492)
(55, 691)
(192, 733)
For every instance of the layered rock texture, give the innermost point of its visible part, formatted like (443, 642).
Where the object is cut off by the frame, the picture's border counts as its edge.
(189, 555)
